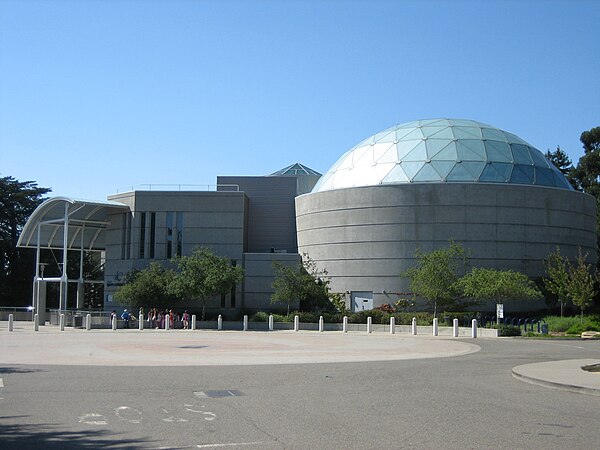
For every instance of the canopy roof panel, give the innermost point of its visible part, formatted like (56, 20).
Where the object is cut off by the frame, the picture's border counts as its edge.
(87, 220)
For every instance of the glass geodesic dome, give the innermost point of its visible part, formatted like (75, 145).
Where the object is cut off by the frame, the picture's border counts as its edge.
(442, 150)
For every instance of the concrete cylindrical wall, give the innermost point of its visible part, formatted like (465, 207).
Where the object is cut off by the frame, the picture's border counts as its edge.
(366, 236)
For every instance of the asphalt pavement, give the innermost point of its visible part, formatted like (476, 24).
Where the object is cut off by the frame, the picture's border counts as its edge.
(262, 390)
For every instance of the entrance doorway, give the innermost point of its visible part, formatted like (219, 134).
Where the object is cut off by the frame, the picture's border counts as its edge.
(361, 300)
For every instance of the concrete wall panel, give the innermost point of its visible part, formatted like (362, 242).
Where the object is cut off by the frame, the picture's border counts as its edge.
(365, 237)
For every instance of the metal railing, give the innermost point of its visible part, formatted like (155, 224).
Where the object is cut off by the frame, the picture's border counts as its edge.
(180, 187)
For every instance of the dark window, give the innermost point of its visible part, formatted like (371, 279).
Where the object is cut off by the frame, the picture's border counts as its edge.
(233, 289)
(169, 235)
(142, 235)
(179, 233)
(152, 234)
(222, 300)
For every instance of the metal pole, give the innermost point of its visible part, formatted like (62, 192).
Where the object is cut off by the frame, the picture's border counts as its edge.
(63, 278)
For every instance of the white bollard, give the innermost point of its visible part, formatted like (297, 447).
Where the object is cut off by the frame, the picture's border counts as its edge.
(321, 324)
(414, 326)
(271, 322)
(114, 323)
(36, 322)
(392, 325)
(474, 328)
(345, 324)
(245, 323)
(88, 322)
(455, 328)
(167, 322)
(62, 322)
(296, 323)
(193, 321)
(435, 326)
(220, 322)
(369, 324)
(11, 319)
(141, 322)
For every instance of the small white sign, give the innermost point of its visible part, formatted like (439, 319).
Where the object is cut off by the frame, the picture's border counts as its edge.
(500, 310)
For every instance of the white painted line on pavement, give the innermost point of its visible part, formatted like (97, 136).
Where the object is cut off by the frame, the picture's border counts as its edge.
(231, 444)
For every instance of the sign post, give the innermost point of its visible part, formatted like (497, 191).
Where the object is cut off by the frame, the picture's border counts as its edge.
(499, 312)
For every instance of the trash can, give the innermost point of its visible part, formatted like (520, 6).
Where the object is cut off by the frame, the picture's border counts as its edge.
(544, 328)
(78, 321)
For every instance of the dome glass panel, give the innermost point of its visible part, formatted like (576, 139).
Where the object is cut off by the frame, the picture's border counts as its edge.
(442, 150)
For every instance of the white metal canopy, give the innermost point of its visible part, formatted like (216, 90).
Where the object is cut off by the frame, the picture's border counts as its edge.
(84, 219)
(62, 223)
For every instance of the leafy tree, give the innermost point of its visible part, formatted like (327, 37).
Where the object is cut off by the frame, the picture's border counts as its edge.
(561, 160)
(582, 283)
(204, 274)
(435, 275)
(482, 284)
(147, 287)
(586, 174)
(18, 199)
(303, 282)
(557, 283)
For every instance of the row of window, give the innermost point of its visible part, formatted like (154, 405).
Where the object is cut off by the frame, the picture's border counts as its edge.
(147, 235)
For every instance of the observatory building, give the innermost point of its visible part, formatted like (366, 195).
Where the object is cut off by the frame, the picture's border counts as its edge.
(419, 185)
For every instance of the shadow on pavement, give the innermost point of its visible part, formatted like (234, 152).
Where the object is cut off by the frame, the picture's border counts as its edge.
(44, 436)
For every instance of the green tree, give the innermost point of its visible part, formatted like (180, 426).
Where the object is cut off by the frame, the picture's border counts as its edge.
(586, 174)
(582, 283)
(435, 274)
(557, 282)
(561, 160)
(204, 274)
(148, 287)
(303, 283)
(482, 284)
(18, 199)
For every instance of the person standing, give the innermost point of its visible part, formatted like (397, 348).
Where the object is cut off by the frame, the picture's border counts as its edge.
(125, 316)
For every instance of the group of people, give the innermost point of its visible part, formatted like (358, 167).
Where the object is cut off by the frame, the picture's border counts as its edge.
(158, 318)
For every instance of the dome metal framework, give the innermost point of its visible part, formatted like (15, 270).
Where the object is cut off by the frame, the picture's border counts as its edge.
(442, 150)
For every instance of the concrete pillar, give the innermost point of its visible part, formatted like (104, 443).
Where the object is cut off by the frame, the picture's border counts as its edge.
(296, 323)
(435, 326)
(80, 293)
(271, 322)
(62, 322)
(193, 321)
(321, 324)
(474, 328)
(141, 322)
(392, 325)
(345, 324)
(455, 328)
(369, 324)
(414, 326)
(88, 322)
(40, 300)
(245, 323)
(220, 322)
(10, 322)
(36, 322)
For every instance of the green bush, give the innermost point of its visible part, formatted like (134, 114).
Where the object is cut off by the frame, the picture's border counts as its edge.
(260, 317)
(570, 325)
(509, 330)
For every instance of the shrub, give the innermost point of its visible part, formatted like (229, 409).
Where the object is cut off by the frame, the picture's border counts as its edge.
(260, 317)
(509, 330)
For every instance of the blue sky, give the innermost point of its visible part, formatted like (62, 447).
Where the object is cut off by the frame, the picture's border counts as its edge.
(99, 95)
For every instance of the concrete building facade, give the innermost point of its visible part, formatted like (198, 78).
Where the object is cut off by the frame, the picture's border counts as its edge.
(422, 184)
